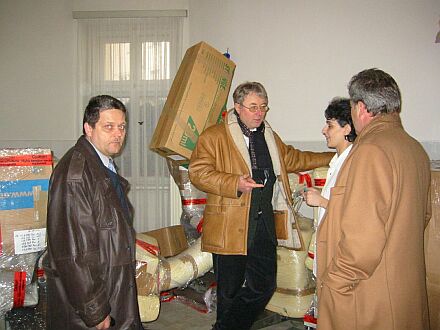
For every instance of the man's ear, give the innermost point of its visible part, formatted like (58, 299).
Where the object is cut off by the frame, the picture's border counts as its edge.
(237, 107)
(363, 112)
(88, 129)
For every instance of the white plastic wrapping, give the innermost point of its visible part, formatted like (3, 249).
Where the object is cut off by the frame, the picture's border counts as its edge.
(193, 202)
(178, 271)
(24, 182)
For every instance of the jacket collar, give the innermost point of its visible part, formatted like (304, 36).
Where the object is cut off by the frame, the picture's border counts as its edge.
(97, 164)
(232, 125)
(379, 123)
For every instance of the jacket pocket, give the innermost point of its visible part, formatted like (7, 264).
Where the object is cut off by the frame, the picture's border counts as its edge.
(281, 221)
(214, 226)
(337, 191)
(108, 218)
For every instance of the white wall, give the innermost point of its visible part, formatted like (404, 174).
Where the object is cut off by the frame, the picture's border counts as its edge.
(38, 67)
(303, 51)
(36, 70)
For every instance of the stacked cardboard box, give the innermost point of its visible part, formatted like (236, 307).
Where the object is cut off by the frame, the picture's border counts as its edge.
(171, 240)
(196, 99)
(24, 182)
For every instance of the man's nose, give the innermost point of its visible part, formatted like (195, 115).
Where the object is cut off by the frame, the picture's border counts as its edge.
(118, 131)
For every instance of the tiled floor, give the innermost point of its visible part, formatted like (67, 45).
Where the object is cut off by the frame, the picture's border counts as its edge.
(175, 315)
(183, 312)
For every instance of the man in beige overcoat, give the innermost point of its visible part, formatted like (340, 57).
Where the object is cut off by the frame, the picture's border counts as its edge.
(371, 271)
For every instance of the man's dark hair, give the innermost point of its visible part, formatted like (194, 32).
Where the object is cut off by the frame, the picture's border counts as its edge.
(100, 103)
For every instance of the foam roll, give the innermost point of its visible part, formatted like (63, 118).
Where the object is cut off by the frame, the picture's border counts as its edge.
(291, 304)
(311, 253)
(181, 269)
(295, 286)
(149, 307)
(319, 176)
(147, 277)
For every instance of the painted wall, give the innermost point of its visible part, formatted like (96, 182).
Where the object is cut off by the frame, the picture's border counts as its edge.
(304, 52)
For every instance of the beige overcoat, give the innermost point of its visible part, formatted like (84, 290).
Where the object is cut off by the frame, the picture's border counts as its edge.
(371, 272)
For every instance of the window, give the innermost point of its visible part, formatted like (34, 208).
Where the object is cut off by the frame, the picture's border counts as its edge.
(135, 60)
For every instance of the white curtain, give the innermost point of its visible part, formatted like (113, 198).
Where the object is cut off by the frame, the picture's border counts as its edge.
(134, 60)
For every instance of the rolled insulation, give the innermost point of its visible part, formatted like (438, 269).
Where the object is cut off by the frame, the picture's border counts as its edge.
(319, 176)
(149, 307)
(311, 252)
(147, 277)
(179, 270)
(295, 285)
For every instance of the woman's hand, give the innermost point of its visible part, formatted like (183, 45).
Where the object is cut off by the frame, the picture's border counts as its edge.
(313, 197)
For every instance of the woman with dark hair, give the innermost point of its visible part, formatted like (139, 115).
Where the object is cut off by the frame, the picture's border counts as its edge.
(339, 133)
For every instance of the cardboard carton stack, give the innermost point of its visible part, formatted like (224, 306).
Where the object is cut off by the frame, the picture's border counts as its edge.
(24, 182)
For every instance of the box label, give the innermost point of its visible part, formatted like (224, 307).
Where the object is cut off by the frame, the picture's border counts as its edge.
(27, 241)
(190, 135)
(26, 160)
(21, 194)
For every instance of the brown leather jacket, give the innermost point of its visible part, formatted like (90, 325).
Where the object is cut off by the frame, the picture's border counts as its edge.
(90, 263)
(221, 156)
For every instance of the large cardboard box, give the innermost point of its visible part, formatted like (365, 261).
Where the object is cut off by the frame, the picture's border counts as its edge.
(24, 182)
(171, 240)
(196, 99)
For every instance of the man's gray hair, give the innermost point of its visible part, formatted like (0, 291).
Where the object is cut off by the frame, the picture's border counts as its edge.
(377, 90)
(248, 87)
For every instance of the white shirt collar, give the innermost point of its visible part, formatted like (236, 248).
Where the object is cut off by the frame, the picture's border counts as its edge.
(340, 158)
(105, 159)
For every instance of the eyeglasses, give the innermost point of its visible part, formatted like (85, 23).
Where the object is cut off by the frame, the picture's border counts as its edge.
(255, 108)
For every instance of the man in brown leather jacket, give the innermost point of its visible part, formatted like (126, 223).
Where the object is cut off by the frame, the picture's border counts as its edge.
(242, 165)
(91, 254)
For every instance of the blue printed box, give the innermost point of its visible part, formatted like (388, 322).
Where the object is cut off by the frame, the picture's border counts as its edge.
(24, 183)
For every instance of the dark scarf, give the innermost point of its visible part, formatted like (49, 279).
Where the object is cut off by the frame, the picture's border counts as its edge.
(257, 145)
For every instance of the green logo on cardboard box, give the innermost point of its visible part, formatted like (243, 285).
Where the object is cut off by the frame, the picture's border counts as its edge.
(190, 135)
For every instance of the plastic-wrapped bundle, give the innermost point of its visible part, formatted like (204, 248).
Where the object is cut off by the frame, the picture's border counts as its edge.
(24, 182)
(298, 182)
(147, 277)
(193, 202)
(295, 285)
(16, 286)
(181, 269)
